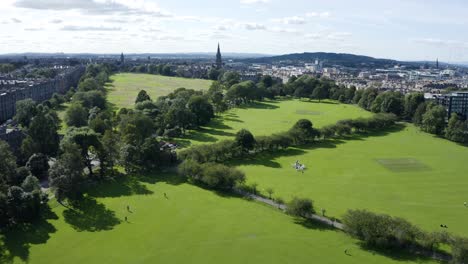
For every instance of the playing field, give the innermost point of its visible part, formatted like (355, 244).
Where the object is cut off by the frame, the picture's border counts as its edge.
(405, 173)
(124, 87)
(266, 118)
(191, 225)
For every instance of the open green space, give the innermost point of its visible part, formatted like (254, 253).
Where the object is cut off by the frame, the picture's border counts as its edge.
(404, 173)
(191, 225)
(124, 87)
(266, 118)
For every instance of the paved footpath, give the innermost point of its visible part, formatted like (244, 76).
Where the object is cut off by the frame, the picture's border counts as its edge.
(418, 251)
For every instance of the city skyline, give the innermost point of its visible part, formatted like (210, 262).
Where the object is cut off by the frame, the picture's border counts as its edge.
(410, 30)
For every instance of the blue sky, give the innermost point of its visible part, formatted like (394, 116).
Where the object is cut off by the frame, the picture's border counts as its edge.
(406, 30)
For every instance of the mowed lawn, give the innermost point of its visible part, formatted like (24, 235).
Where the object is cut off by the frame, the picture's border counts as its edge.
(406, 173)
(191, 225)
(124, 87)
(266, 118)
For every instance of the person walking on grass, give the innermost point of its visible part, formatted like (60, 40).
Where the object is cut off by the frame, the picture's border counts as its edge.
(126, 219)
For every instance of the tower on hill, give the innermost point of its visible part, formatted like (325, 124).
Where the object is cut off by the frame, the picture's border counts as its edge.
(122, 58)
(219, 60)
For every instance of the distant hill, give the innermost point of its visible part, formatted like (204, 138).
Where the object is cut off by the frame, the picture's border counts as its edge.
(329, 59)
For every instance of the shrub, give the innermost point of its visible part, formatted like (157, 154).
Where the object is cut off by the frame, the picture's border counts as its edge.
(300, 207)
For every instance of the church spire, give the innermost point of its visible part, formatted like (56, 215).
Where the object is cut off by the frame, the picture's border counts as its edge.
(219, 60)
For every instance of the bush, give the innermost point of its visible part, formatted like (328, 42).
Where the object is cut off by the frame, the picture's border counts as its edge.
(380, 230)
(300, 207)
(211, 175)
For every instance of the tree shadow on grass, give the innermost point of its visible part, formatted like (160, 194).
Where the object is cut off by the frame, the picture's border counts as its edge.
(395, 254)
(168, 176)
(259, 105)
(89, 215)
(198, 135)
(217, 132)
(267, 158)
(218, 123)
(315, 225)
(18, 240)
(120, 186)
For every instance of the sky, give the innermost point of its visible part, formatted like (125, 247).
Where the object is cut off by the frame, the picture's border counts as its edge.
(396, 29)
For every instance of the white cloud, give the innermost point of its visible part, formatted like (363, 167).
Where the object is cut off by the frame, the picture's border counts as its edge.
(251, 2)
(97, 7)
(320, 14)
(89, 28)
(15, 20)
(294, 20)
(56, 21)
(442, 42)
(33, 29)
(254, 26)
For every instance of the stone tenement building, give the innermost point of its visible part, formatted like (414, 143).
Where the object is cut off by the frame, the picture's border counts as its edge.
(38, 91)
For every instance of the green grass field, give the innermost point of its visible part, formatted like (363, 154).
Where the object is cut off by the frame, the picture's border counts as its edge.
(124, 87)
(405, 173)
(192, 225)
(266, 118)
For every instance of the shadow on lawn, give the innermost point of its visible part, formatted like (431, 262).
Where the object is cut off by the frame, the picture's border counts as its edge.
(395, 254)
(120, 186)
(259, 105)
(87, 214)
(315, 225)
(17, 241)
(267, 158)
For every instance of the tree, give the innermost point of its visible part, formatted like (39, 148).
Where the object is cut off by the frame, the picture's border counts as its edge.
(88, 142)
(76, 116)
(201, 108)
(43, 133)
(142, 96)
(418, 114)
(109, 153)
(245, 140)
(135, 127)
(230, 78)
(31, 184)
(66, 175)
(300, 207)
(25, 111)
(434, 119)
(412, 101)
(90, 99)
(38, 164)
(320, 93)
(7, 164)
(457, 130)
(180, 117)
(89, 84)
(270, 192)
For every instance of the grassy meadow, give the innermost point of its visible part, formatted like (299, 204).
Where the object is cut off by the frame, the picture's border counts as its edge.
(268, 117)
(124, 87)
(402, 172)
(191, 225)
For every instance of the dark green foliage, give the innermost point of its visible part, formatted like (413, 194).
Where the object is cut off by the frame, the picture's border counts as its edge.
(66, 176)
(76, 115)
(90, 99)
(412, 102)
(7, 164)
(42, 133)
(25, 111)
(142, 96)
(87, 140)
(388, 102)
(380, 230)
(457, 130)
(460, 250)
(433, 120)
(201, 108)
(89, 84)
(300, 207)
(245, 140)
(212, 175)
(38, 164)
